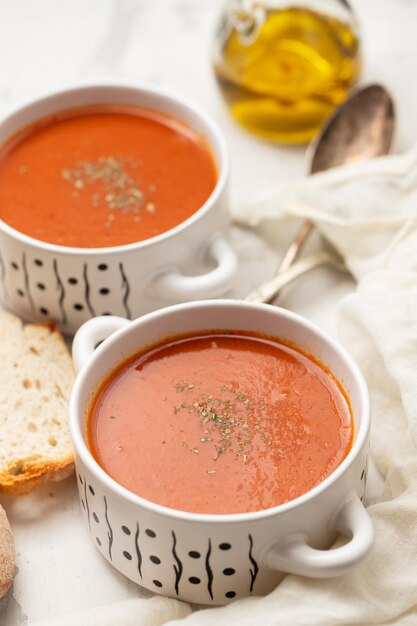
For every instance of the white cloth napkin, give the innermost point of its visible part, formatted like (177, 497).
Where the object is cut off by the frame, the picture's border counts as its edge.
(369, 213)
(152, 612)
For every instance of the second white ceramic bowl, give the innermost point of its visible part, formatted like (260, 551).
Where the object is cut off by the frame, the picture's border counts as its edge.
(41, 281)
(212, 559)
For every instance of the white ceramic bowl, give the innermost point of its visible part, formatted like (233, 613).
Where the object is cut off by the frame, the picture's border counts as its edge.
(41, 281)
(212, 559)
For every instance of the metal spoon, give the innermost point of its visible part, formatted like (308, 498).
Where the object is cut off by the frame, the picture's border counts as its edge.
(360, 129)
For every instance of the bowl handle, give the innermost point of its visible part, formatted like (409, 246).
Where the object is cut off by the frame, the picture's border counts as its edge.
(92, 333)
(175, 287)
(295, 556)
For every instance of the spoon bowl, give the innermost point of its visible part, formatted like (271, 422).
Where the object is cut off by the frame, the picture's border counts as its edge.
(360, 129)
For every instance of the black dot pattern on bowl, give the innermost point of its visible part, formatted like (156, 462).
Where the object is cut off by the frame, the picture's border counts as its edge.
(107, 313)
(229, 571)
(152, 557)
(38, 262)
(14, 265)
(72, 281)
(41, 286)
(363, 474)
(20, 293)
(80, 479)
(104, 291)
(194, 554)
(102, 267)
(43, 311)
(78, 306)
(155, 559)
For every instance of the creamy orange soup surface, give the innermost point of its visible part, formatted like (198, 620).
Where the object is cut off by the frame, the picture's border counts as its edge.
(220, 423)
(103, 176)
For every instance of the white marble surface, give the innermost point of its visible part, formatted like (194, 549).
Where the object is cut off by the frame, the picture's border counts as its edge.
(44, 43)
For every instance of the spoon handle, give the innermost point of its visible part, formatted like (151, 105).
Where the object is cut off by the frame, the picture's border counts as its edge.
(268, 290)
(295, 247)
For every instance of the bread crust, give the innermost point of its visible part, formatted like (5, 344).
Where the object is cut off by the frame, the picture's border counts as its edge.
(34, 475)
(7, 554)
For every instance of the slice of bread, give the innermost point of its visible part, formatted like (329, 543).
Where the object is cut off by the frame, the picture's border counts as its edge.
(36, 376)
(7, 554)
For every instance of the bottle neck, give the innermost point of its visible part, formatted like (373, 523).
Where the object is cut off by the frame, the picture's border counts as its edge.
(246, 16)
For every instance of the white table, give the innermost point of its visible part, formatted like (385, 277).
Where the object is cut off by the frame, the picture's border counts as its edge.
(44, 43)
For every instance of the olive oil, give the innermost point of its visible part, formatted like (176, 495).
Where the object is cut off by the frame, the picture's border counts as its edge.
(283, 78)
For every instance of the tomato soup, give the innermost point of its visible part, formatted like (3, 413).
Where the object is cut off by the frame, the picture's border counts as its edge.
(220, 423)
(103, 176)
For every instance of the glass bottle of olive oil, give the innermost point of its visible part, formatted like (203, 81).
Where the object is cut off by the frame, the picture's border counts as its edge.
(282, 68)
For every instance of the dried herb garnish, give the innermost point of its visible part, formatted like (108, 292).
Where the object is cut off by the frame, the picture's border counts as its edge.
(228, 421)
(121, 192)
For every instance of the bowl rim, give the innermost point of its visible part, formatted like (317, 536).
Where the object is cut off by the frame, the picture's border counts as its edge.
(117, 490)
(217, 142)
